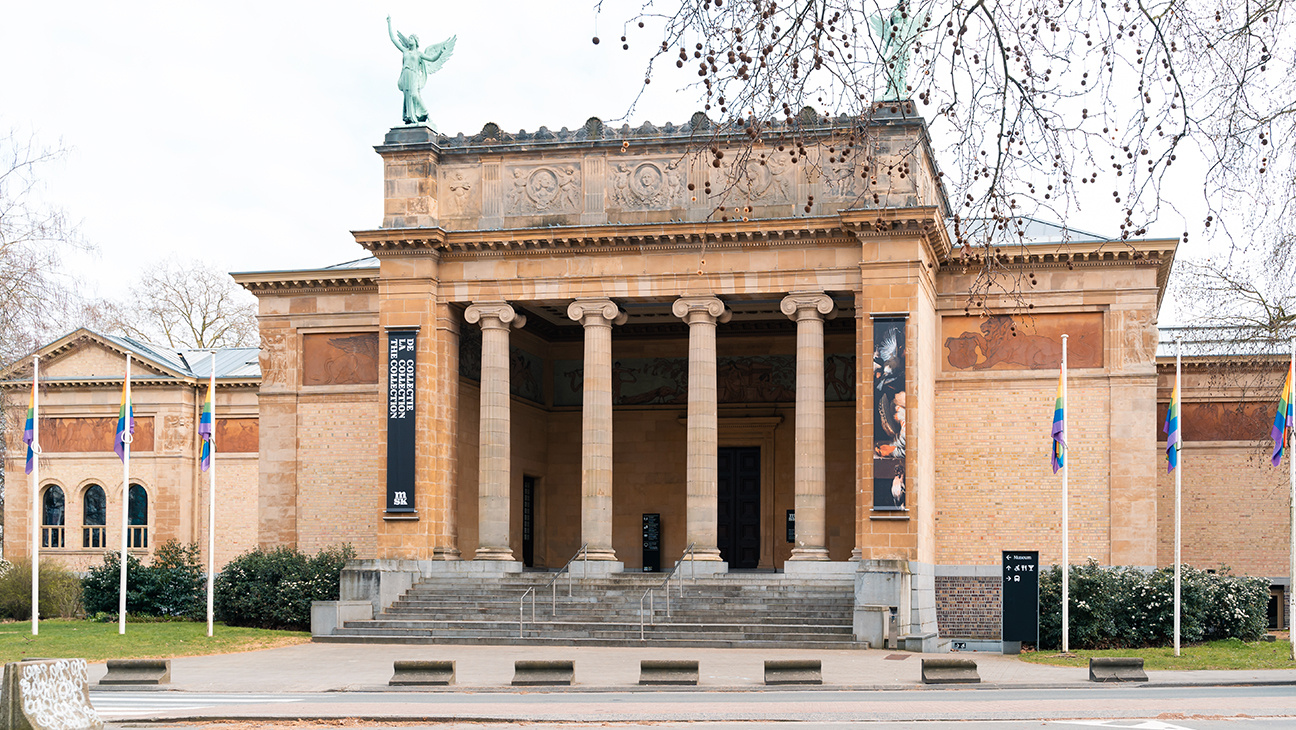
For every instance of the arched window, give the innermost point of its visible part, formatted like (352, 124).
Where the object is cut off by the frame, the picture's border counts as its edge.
(94, 517)
(137, 512)
(52, 517)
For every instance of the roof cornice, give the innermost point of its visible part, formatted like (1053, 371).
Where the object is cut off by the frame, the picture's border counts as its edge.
(307, 281)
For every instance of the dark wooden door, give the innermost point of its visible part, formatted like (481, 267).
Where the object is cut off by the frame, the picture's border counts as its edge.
(738, 507)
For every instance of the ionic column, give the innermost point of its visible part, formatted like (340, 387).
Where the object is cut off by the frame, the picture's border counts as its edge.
(494, 460)
(807, 309)
(597, 316)
(701, 313)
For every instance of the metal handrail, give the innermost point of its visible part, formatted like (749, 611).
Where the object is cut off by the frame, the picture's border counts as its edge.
(584, 551)
(648, 594)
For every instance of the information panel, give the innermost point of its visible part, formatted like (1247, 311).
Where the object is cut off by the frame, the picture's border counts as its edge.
(651, 542)
(400, 421)
(1021, 595)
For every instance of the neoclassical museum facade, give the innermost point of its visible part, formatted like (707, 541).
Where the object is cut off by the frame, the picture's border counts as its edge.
(765, 354)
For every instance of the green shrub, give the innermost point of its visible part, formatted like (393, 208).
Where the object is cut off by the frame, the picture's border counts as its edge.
(60, 591)
(174, 584)
(1121, 607)
(274, 589)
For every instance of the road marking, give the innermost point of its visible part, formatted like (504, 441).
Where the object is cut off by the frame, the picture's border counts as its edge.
(119, 704)
(1141, 724)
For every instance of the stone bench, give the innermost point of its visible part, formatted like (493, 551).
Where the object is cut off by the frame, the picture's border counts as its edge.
(668, 671)
(793, 671)
(551, 673)
(422, 673)
(47, 694)
(950, 671)
(137, 671)
(1116, 669)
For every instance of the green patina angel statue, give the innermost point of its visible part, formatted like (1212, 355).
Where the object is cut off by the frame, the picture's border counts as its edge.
(416, 65)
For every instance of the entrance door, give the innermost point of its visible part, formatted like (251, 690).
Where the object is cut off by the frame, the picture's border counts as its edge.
(738, 507)
(528, 521)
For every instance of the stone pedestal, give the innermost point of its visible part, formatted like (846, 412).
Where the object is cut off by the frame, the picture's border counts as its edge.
(702, 313)
(495, 461)
(808, 308)
(595, 568)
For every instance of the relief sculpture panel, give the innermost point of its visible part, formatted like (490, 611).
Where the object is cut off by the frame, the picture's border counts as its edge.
(664, 380)
(647, 185)
(462, 192)
(543, 190)
(764, 180)
(340, 359)
(91, 435)
(237, 435)
(1226, 421)
(1022, 342)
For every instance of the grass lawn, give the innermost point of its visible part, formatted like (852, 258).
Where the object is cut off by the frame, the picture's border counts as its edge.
(1225, 654)
(96, 642)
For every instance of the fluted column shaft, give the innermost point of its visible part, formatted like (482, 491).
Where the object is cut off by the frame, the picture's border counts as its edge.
(597, 317)
(701, 314)
(809, 471)
(495, 456)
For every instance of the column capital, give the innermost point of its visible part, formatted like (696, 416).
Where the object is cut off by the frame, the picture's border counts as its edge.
(596, 311)
(701, 309)
(494, 315)
(799, 305)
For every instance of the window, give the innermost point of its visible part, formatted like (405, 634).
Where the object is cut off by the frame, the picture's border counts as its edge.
(137, 512)
(52, 518)
(94, 517)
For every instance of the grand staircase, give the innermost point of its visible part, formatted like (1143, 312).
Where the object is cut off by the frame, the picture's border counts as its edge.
(751, 610)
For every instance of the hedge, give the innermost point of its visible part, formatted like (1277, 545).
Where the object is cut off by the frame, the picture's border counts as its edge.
(274, 589)
(173, 584)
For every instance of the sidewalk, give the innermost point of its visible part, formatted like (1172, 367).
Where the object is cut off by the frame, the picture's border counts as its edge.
(368, 667)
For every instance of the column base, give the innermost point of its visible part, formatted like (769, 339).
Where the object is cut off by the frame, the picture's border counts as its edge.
(820, 554)
(820, 569)
(494, 553)
(446, 554)
(595, 568)
(599, 554)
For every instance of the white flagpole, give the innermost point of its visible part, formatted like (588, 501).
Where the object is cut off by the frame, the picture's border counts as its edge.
(1066, 470)
(126, 442)
(1291, 481)
(211, 504)
(35, 499)
(1178, 472)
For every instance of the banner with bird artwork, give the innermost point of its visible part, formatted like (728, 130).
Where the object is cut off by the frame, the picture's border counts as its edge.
(889, 484)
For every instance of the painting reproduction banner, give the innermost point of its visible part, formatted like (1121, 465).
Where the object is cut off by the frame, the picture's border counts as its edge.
(400, 420)
(889, 413)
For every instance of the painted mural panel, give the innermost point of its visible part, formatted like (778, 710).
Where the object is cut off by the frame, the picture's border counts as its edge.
(1221, 421)
(238, 435)
(664, 380)
(1022, 342)
(889, 413)
(91, 435)
(526, 369)
(340, 359)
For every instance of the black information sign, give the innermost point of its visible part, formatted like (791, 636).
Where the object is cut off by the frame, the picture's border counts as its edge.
(791, 526)
(1021, 595)
(651, 542)
(400, 420)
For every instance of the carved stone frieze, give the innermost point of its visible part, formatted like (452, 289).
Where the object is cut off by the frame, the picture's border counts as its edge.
(543, 190)
(462, 192)
(768, 181)
(647, 184)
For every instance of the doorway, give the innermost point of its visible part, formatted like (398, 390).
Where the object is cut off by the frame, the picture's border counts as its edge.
(528, 521)
(738, 507)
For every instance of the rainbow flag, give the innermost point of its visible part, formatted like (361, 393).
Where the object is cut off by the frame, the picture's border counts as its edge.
(125, 424)
(29, 431)
(1059, 428)
(1285, 421)
(1171, 429)
(206, 432)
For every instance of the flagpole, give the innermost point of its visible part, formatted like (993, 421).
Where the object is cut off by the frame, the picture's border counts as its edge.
(1178, 472)
(211, 504)
(126, 444)
(1291, 482)
(1066, 552)
(35, 500)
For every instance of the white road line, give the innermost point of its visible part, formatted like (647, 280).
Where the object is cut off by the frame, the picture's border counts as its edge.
(117, 704)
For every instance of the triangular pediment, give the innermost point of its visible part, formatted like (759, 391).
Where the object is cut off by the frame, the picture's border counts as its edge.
(85, 354)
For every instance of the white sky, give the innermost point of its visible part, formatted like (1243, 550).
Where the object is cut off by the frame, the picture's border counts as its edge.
(242, 133)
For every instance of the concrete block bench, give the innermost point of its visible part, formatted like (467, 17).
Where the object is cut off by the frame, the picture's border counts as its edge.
(1116, 669)
(668, 671)
(552, 673)
(950, 671)
(47, 694)
(138, 671)
(793, 671)
(422, 673)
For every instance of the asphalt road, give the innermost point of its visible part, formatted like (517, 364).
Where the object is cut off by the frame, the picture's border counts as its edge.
(1126, 706)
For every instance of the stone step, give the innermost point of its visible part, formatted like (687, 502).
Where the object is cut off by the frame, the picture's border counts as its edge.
(652, 641)
(586, 626)
(655, 632)
(681, 616)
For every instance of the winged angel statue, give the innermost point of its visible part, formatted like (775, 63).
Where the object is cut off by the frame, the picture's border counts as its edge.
(416, 65)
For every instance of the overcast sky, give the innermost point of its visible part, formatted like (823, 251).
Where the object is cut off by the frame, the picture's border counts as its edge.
(243, 132)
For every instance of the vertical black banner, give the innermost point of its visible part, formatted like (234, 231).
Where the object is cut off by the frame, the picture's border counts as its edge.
(1021, 595)
(889, 413)
(400, 420)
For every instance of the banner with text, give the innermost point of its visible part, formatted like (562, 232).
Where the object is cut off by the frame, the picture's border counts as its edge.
(889, 413)
(400, 420)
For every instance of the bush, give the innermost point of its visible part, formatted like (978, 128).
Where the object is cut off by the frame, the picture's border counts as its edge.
(60, 591)
(1129, 607)
(274, 590)
(172, 585)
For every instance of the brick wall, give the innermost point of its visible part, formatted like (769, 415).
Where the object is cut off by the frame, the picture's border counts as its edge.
(340, 460)
(969, 607)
